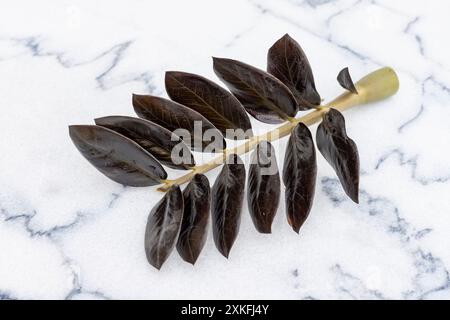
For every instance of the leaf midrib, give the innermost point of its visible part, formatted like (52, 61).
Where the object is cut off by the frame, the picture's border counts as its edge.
(273, 106)
(229, 123)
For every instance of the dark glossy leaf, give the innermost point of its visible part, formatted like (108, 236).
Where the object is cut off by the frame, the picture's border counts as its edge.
(163, 227)
(116, 156)
(172, 116)
(261, 94)
(210, 100)
(155, 139)
(263, 193)
(299, 176)
(197, 200)
(227, 196)
(340, 151)
(346, 81)
(287, 62)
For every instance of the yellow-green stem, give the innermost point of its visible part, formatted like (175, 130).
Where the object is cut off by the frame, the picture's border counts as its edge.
(375, 86)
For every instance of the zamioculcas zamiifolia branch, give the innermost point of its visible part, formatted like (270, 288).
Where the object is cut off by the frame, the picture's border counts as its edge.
(132, 151)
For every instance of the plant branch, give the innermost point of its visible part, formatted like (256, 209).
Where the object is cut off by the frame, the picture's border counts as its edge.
(375, 86)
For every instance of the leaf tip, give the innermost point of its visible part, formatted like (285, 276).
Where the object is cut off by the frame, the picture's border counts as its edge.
(294, 226)
(355, 197)
(155, 263)
(71, 130)
(157, 266)
(345, 80)
(135, 97)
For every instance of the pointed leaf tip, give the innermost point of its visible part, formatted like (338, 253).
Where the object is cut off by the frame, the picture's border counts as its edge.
(263, 96)
(119, 158)
(299, 176)
(226, 204)
(340, 151)
(194, 227)
(263, 185)
(172, 116)
(212, 101)
(345, 80)
(155, 139)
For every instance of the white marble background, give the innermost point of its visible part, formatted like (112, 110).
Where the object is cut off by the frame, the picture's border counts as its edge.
(67, 232)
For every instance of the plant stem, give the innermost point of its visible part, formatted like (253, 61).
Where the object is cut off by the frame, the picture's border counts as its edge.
(376, 86)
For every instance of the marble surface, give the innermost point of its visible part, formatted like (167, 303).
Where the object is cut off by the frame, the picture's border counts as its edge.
(67, 232)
